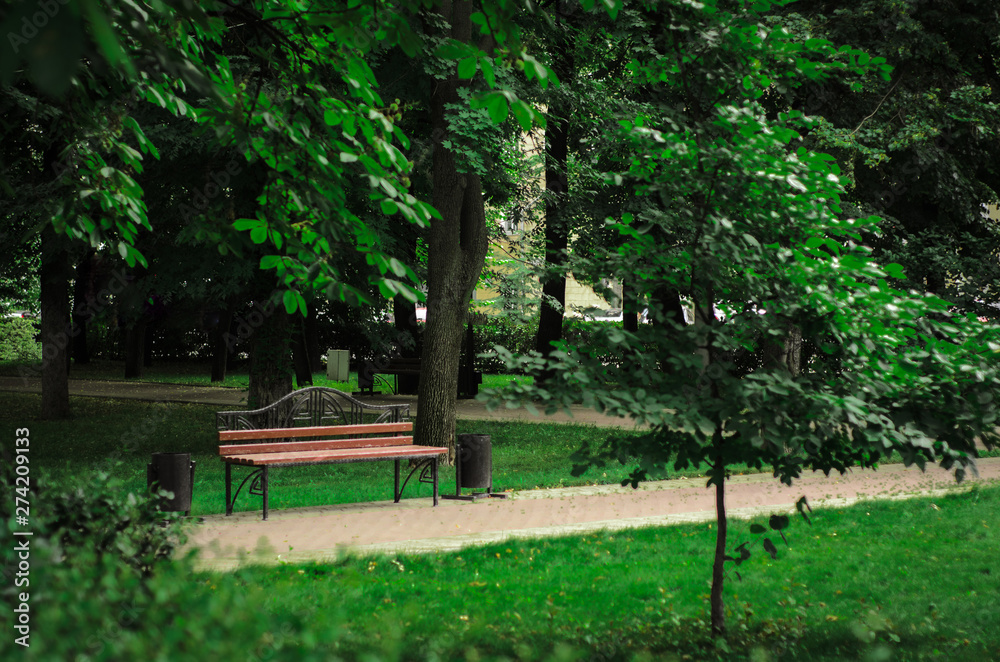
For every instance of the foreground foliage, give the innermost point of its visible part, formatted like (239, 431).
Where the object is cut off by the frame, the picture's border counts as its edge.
(801, 354)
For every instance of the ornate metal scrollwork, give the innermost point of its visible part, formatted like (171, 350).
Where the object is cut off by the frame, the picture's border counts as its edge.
(305, 401)
(426, 468)
(256, 487)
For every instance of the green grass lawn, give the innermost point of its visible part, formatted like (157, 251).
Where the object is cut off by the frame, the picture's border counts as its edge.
(910, 580)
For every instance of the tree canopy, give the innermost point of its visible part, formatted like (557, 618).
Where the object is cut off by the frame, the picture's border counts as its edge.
(802, 354)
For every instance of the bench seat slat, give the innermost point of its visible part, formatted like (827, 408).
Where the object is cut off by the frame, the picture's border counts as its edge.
(314, 431)
(319, 445)
(335, 455)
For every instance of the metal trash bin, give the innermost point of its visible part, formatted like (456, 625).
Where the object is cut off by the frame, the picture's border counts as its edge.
(473, 467)
(173, 472)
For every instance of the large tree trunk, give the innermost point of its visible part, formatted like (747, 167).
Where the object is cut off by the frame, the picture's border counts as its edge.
(270, 356)
(457, 247)
(553, 302)
(54, 276)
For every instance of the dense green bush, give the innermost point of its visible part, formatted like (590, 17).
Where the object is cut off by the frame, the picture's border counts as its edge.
(17, 340)
(493, 330)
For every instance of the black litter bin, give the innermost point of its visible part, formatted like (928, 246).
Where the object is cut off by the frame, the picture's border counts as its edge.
(173, 472)
(473, 467)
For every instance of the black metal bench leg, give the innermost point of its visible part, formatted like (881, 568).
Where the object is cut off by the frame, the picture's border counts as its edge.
(229, 482)
(264, 487)
(395, 493)
(434, 469)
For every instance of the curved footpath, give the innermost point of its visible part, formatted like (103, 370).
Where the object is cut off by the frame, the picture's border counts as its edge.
(414, 525)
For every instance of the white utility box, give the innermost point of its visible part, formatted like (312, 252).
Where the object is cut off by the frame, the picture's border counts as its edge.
(338, 365)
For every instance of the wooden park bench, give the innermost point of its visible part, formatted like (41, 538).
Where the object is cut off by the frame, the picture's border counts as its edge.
(296, 430)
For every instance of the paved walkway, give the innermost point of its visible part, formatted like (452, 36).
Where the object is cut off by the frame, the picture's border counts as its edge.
(413, 526)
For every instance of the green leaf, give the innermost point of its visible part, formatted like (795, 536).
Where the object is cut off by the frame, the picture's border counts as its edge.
(770, 548)
(522, 113)
(894, 270)
(398, 268)
(242, 224)
(757, 529)
(535, 69)
(454, 50)
(497, 107)
(291, 300)
(270, 261)
(389, 207)
(467, 67)
(488, 74)
(258, 235)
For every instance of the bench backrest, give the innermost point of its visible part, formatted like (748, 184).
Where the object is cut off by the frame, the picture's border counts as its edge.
(287, 439)
(312, 406)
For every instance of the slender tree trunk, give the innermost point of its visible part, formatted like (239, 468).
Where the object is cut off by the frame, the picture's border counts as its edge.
(135, 349)
(311, 330)
(630, 309)
(300, 353)
(147, 346)
(404, 315)
(218, 335)
(550, 319)
(408, 333)
(456, 253)
(54, 296)
(718, 577)
(704, 316)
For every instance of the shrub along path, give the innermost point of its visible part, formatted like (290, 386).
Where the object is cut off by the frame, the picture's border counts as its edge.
(413, 526)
